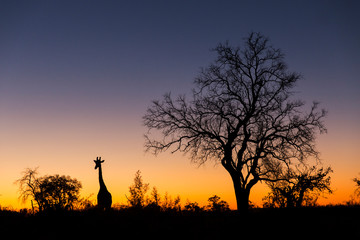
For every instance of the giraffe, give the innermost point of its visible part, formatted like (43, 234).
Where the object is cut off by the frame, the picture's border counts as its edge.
(104, 196)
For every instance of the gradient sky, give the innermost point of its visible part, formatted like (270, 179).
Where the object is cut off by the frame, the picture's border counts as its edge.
(77, 76)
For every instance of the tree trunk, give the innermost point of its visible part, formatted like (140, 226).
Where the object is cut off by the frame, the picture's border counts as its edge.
(242, 200)
(242, 194)
(300, 199)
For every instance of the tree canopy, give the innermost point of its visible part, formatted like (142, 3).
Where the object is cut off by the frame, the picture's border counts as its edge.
(240, 114)
(49, 192)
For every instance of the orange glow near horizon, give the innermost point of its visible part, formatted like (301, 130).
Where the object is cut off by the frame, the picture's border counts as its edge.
(64, 139)
(171, 173)
(77, 77)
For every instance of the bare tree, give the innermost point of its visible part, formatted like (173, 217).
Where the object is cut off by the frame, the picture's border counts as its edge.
(240, 115)
(301, 185)
(29, 186)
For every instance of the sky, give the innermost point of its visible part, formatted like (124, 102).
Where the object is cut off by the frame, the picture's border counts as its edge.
(76, 77)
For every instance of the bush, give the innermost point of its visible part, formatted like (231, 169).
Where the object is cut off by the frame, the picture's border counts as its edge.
(217, 205)
(137, 192)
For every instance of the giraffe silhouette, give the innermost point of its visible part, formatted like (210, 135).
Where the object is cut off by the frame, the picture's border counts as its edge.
(104, 199)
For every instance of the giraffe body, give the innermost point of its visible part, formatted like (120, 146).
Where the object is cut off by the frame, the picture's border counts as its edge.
(104, 198)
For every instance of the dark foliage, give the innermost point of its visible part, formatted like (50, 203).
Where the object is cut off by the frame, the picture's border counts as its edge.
(357, 190)
(217, 205)
(50, 193)
(138, 191)
(193, 207)
(58, 192)
(299, 187)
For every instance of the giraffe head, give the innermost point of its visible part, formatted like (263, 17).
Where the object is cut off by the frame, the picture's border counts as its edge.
(98, 162)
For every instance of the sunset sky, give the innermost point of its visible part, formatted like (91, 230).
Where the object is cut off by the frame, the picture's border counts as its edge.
(76, 77)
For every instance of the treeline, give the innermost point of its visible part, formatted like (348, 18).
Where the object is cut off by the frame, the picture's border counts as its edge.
(52, 193)
(55, 193)
(139, 199)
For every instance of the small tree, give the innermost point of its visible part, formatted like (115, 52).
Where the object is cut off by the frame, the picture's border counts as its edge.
(298, 187)
(49, 192)
(357, 190)
(29, 187)
(137, 192)
(193, 207)
(170, 204)
(155, 197)
(217, 205)
(58, 192)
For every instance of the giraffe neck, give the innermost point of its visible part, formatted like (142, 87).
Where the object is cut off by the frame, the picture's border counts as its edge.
(101, 180)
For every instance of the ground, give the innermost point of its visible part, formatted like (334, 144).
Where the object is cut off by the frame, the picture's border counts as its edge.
(316, 222)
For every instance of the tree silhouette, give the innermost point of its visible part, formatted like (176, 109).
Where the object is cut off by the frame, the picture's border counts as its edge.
(29, 187)
(58, 192)
(193, 207)
(217, 205)
(137, 192)
(170, 204)
(298, 187)
(49, 192)
(240, 115)
(357, 190)
(155, 198)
